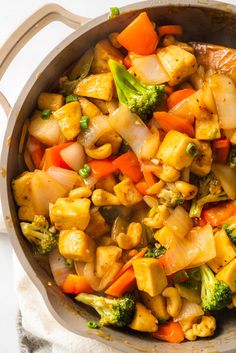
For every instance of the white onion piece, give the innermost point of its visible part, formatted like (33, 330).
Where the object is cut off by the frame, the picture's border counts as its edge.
(90, 181)
(58, 267)
(179, 222)
(179, 255)
(149, 69)
(203, 239)
(98, 126)
(150, 201)
(109, 276)
(67, 178)
(189, 309)
(74, 156)
(46, 131)
(224, 92)
(227, 177)
(79, 268)
(130, 127)
(89, 273)
(28, 161)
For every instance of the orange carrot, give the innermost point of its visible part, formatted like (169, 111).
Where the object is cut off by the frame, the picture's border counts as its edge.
(129, 263)
(142, 187)
(139, 36)
(168, 121)
(217, 215)
(149, 178)
(74, 284)
(102, 167)
(127, 62)
(170, 332)
(53, 157)
(178, 96)
(123, 284)
(129, 165)
(221, 150)
(174, 30)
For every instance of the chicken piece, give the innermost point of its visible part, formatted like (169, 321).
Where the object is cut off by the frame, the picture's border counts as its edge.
(105, 257)
(99, 86)
(102, 53)
(69, 213)
(97, 225)
(127, 193)
(68, 118)
(201, 164)
(178, 63)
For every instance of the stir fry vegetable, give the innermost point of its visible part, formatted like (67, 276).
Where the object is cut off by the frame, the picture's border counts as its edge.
(129, 188)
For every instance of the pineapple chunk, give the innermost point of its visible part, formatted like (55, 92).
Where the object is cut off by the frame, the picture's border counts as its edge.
(207, 127)
(102, 53)
(164, 236)
(127, 193)
(149, 275)
(202, 164)
(105, 257)
(97, 225)
(76, 245)
(225, 251)
(157, 305)
(173, 150)
(52, 101)
(228, 275)
(143, 320)
(67, 213)
(178, 63)
(68, 118)
(46, 131)
(88, 108)
(96, 86)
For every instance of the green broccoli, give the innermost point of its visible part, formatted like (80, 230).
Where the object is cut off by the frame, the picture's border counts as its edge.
(231, 231)
(141, 99)
(170, 196)
(39, 234)
(232, 157)
(209, 190)
(155, 252)
(215, 294)
(117, 312)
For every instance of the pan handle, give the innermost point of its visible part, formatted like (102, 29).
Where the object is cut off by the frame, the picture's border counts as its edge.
(41, 18)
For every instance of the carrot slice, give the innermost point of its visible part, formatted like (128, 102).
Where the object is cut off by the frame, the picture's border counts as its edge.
(168, 121)
(170, 332)
(142, 187)
(129, 165)
(178, 96)
(149, 178)
(123, 284)
(175, 30)
(74, 284)
(216, 215)
(128, 264)
(221, 150)
(139, 36)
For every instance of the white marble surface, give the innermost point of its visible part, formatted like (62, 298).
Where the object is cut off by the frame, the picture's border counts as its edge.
(11, 15)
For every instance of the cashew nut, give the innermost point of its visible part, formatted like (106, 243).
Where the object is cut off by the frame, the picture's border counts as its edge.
(174, 301)
(102, 197)
(188, 191)
(157, 216)
(110, 137)
(206, 327)
(155, 188)
(167, 173)
(132, 238)
(101, 152)
(80, 192)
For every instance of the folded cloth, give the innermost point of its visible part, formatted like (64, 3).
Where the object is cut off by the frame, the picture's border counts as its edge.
(38, 331)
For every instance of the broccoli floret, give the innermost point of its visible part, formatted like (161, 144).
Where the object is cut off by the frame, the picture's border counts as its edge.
(232, 157)
(38, 233)
(215, 294)
(155, 252)
(170, 196)
(231, 231)
(209, 190)
(141, 99)
(116, 311)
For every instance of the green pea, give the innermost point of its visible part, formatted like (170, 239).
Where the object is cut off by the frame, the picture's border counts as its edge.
(84, 122)
(192, 150)
(114, 11)
(45, 114)
(71, 98)
(85, 171)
